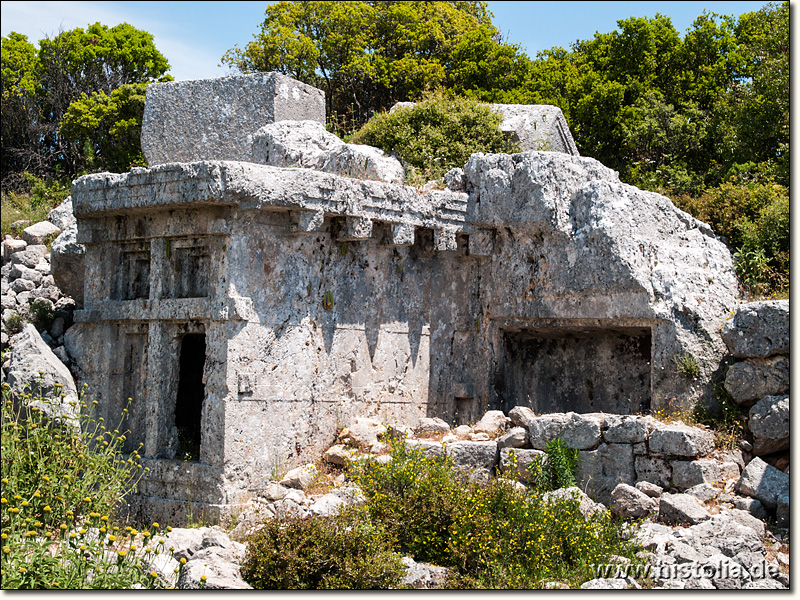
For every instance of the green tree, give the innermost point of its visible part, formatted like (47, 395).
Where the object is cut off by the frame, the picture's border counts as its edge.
(369, 55)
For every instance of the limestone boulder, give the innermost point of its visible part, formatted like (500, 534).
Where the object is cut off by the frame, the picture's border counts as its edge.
(30, 256)
(653, 470)
(586, 505)
(339, 455)
(519, 459)
(650, 489)
(300, 478)
(492, 423)
(40, 233)
(704, 492)
(630, 503)
(36, 370)
(521, 416)
(758, 329)
(308, 145)
(611, 583)
(782, 509)
(763, 482)
(431, 425)
(67, 264)
(516, 437)
(581, 432)
(769, 423)
(751, 505)
(423, 576)
(364, 432)
(429, 448)
(473, 455)
(62, 216)
(680, 440)
(745, 518)
(686, 473)
(752, 379)
(680, 509)
(725, 534)
(626, 429)
(601, 470)
(212, 569)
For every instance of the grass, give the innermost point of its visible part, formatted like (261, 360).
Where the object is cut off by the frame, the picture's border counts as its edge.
(32, 205)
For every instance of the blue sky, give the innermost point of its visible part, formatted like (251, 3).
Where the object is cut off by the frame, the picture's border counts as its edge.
(194, 35)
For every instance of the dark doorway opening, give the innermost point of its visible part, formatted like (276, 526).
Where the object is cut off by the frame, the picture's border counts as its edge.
(191, 391)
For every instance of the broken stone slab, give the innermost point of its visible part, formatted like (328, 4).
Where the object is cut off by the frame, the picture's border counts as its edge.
(521, 416)
(680, 440)
(703, 492)
(580, 432)
(611, 583)
(536, 127)
(758, 329)
(681, 509)
(473, 455)
(687, 474)
(649, 489)
(429, 448)
(340, 455)
(40, 233)
(431, 425)
(216, 119)
(751, 505)
(62, 216)
(626, 429)
(725, 534)
(745, 518)
(631, 503)
(327, 505)
(67, 264)
(492, 423)
(752, 379)
(212, 569)
(30, 256)
(10, 246)
(763, 482)
(769, 423)
(306, 144)
(522, 458)
(36, 370)
(364, 432)
(600, 470)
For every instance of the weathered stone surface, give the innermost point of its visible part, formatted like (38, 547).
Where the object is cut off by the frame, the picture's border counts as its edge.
(536, 127)
(432, 425)
(521, 416)
(581, 432)
(782, 510)
(61, 216)
(216, 119)
(686, 474)
(29, 257)
(308, 145)
(726, 535)
(492, 423)
(626, 429)
(679, 509)
(36, 370)
(654, 470)
(516, 437)
(680, 440)
(364, 432)
(301, 477)
(220, 573)
(769, 423)
(763, 482)
(67, 264)
(423, 576)
(703, 492)
(650, 489)
(339, 454)
(745, 518)
(39, 233)
(431, 449)
(611, 583)
(758, 329)
(751, 505)
(473, 455)
(522, 457)
(752, 379)
(587, 506)
(630, 503)
(600, 470)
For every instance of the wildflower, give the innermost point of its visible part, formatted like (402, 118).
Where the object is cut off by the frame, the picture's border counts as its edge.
(25, 503)
(183, 561)
(6, 549)
(47, 509)
(3, 501)
(5, 480)
(155, 525)
(73, 535)
(122, 554)
(153, 574)
(36, 494)
(112, 538)
(203, 578)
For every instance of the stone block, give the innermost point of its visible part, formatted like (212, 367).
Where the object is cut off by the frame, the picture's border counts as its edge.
(516, 437)
(680, 440)
(763, 482)
(686, 473)
(681, 509)
(216, 119)
(522, 457)
(752, 379)
(536, 127)
(631, 503)
(402, 235)
(769, 423)
(581, 432)
(61, 216)
(586, 506)
(493, 422)
(473, 455)
(626, 429)
(600, 470)
(654, 470)
(67, 264)
(758, 329)
(40, 233)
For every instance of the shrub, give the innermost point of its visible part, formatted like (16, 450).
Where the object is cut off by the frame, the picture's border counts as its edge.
(60, 488)
(557, 469)
(435, 135)
(346, 551)
(494, 535)
(687, 365)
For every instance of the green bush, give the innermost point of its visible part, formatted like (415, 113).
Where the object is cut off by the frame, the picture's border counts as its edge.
(346, 551)
(435, 135)
(557, 469)
(42, 196)
(492, 535)
(60, 488)
(753, 217)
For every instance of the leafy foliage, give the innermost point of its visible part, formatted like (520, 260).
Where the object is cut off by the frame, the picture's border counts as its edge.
(435, 135)
(38, 87)
(369, 55)
(60, 488)
(346, 551)
(492, 535)
(556, 469)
